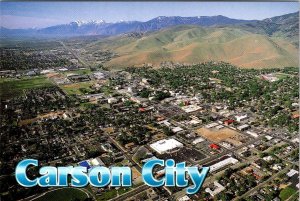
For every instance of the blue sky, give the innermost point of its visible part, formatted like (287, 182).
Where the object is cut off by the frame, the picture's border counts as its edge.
(43, 14)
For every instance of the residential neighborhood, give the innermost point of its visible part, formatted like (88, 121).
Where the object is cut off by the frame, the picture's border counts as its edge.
(247, 134)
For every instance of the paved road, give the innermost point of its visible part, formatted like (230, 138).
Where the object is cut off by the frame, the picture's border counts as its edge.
(124, 152)
(74, 54)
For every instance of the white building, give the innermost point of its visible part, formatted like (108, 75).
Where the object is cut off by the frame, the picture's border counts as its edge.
(184, 198)
(219, 127)
(211, 125)
(268, 158)
(63, 69)
(241, 117)
(165, 145)
(177, 129)
(253, 134)
(223, 163)
(243, 127)
(47, 71)
(218, 188)
(112, 100)
(96, 162)
(191, 108)
(198, 140)
(99, 75)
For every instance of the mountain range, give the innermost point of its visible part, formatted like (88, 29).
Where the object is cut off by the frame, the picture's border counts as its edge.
(272, 42)
(103, 28)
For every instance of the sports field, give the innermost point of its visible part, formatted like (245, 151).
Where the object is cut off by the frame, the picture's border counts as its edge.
(65, 194)
(14, 87)
(79, 88)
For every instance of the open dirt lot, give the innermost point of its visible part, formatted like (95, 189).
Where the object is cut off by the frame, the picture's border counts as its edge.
(224, 134)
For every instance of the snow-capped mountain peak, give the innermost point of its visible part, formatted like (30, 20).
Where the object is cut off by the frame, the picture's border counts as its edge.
(82, 22)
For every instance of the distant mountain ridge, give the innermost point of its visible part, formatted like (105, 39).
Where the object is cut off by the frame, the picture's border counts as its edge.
(103, 28)
(109, 29)
(272, 42)
(286, 26)
(283, 26)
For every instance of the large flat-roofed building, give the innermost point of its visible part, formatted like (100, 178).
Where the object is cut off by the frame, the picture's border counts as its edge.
(191, 108)
(222, 163)
(165, 145)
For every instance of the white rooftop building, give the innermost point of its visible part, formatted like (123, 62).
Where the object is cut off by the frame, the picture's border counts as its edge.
(191, 108)
(184, 198)
(243, 127)
(241, 117)
(211, 125)
(96, 162)
(112, 100)
(198, 140)
(253, 134)
(292, 172)
(99, 75)
(165, 145)
(223, 163)
(216, 190)
(177, 129)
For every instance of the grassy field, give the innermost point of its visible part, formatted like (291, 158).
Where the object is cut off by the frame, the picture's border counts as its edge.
(286, 193)
(79, 88)
(112, 193)
(79, 72)
(294, 197)
(282, 75)
(66, 194)
(15, 87)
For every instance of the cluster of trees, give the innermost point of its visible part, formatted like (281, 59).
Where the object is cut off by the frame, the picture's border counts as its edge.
(12, 59)
(236, 186)
(36, 101)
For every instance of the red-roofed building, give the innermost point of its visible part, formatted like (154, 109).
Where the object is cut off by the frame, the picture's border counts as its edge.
(141, 109)
(214, 146)
(228, 121)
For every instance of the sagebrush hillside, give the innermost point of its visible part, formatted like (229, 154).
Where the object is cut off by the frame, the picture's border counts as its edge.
(194, 44)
